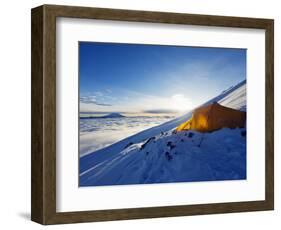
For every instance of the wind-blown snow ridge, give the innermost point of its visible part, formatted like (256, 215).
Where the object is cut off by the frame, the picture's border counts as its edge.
(127, 161)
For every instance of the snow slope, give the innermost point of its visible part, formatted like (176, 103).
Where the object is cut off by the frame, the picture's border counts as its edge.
(158, 155)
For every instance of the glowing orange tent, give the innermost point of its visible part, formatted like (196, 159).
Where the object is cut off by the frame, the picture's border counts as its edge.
(213, 117)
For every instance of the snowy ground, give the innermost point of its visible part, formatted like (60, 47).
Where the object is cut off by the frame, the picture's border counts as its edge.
(158, 155)
(174, 158)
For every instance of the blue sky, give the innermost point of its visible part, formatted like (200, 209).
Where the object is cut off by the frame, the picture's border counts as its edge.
(136, 78)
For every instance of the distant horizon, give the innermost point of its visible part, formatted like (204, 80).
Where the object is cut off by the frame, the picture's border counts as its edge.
(154, 79)
(128, 114)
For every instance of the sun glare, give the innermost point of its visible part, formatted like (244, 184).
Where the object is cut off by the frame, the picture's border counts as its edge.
(181, 103)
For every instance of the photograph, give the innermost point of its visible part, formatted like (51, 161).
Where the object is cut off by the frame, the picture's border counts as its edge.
(151, 114)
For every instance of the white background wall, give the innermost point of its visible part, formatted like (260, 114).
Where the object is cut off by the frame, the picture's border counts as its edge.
(15, 113)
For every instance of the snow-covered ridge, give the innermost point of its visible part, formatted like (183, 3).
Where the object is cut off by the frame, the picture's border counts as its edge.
(235, 99)
(107, 166)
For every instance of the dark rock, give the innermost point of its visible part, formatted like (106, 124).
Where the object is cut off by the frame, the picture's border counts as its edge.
(169, 143)
(129, 144)
(145, 143)
(169, 157)
(172, 147)
(190, 135)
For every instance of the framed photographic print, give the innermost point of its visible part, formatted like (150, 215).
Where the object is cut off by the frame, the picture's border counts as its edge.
(140, 114)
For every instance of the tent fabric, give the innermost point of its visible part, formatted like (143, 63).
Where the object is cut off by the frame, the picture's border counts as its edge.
(213, 117)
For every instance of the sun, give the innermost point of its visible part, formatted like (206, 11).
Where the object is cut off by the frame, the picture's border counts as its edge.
(181, 103)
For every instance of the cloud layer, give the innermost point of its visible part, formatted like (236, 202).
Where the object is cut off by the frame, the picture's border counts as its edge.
(92, 100)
